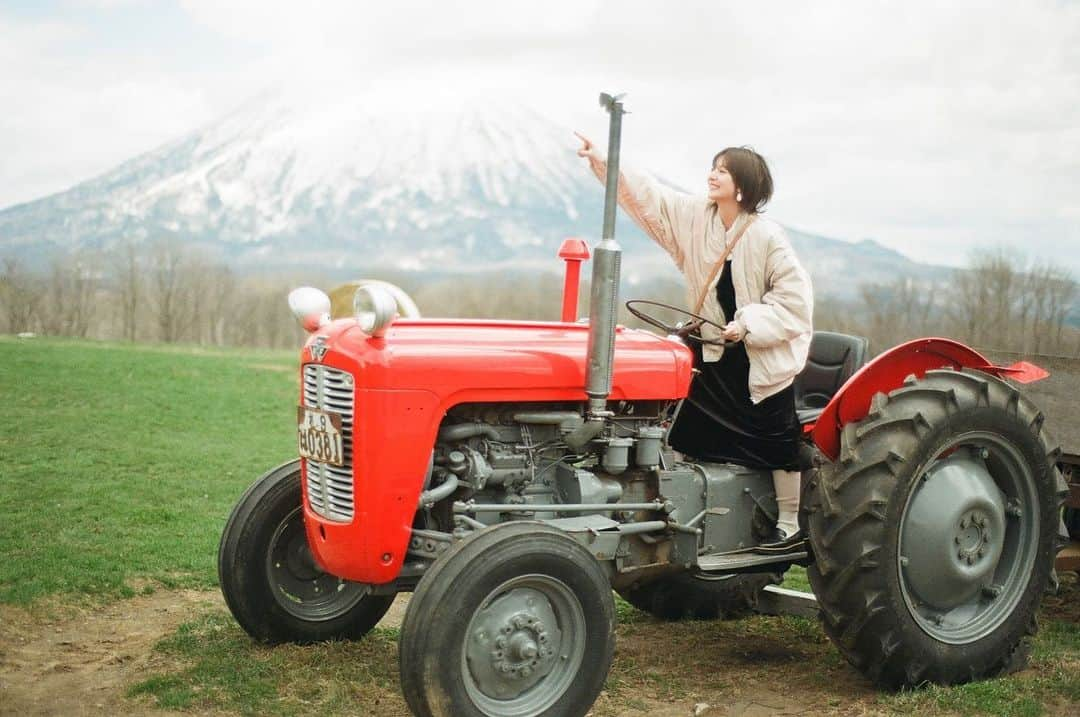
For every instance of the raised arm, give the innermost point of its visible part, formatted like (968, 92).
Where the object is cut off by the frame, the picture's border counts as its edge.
(786, 309)
(663, 213)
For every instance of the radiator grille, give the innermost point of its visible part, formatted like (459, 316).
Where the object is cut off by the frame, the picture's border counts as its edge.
(330, 488)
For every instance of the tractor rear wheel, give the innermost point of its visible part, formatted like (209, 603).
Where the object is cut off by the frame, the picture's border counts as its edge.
(270, 580)
(516, 620)
(934, 534)
(699, 596)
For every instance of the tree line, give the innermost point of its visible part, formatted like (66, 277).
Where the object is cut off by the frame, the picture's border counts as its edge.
(153, 292)
(1000, 301)
(166, 292)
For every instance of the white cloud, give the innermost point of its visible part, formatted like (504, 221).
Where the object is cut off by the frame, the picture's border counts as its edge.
(66, 118)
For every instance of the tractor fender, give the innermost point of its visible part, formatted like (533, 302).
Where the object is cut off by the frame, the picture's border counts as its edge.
(888, 371)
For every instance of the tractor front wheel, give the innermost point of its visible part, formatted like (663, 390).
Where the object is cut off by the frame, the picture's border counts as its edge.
(934, 534)
(270, 580)
(516, 620)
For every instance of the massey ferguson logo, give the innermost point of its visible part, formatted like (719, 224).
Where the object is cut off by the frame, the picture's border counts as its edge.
(318, 349)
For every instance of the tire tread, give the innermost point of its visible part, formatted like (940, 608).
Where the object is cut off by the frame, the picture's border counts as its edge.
(845, 511)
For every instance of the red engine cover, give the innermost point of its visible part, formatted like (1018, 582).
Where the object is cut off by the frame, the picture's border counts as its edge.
(406, 381)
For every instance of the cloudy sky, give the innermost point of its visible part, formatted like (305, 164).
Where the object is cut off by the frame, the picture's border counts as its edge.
(934, 128)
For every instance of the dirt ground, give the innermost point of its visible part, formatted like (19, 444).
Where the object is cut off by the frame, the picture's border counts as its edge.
(74, 661)
(79, 661)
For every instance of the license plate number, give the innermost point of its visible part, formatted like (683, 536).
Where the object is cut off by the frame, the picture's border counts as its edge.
(319, 436)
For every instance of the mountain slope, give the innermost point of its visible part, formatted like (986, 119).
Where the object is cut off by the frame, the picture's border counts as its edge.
(465, 185)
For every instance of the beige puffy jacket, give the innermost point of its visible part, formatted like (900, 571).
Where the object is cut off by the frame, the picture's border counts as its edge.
(773, 296)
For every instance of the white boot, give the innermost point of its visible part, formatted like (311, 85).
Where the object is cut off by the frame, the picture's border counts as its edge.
(787, 485)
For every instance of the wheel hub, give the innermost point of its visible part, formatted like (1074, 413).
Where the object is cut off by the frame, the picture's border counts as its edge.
(521, 648)
(299, 560)
(953, 532)
(515, 643)
(972, 537)
(969, 537)
(298, 584)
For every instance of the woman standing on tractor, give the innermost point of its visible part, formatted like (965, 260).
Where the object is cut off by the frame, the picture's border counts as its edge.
(742, 274)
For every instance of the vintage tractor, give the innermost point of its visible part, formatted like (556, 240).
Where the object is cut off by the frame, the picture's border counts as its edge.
(511, 474)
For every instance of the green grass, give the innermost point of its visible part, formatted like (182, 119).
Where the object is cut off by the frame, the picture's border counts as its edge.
(1052, 678)
(795, 579)
(121, 464)
(124, 462)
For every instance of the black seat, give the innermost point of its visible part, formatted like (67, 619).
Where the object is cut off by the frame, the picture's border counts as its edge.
(832, 361)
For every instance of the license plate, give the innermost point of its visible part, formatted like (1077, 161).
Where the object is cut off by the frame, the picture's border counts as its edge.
(319, 434)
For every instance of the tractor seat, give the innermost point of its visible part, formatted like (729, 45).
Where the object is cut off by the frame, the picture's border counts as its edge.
(833, 359)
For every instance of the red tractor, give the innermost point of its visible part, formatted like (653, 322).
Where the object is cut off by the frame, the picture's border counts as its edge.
(511, 474)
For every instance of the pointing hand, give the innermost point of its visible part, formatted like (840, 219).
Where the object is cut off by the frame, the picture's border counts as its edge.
(587, 149)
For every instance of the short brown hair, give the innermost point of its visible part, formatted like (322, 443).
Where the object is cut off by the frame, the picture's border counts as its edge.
(751, 175)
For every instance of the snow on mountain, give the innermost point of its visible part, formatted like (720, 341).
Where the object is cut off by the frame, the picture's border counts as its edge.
(409, 186)
(435, 184)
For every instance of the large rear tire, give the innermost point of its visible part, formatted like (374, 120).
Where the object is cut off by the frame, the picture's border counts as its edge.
(698, 596)
(272, 584)
(934, 534)
(516, 620)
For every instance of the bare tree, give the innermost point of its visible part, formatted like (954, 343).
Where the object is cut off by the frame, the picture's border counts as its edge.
(219, 290)
(127, 278)
(1001, 301)
(21, 294)
(170, 272)
(69, 305)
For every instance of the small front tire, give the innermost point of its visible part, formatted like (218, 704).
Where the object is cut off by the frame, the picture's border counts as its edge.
(516, 620)
(270, 581)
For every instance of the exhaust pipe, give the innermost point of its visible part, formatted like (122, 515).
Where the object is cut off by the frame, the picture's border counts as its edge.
(603, 305)
(604, 298)
(604, 294)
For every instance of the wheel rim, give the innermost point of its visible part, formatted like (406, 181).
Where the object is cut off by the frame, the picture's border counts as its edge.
(968, 538)
(298, 584)
(525, 645)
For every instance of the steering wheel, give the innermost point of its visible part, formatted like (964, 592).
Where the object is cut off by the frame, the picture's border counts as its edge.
(689, 329)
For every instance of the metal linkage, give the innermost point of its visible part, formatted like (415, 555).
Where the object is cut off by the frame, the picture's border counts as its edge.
(429, 543)
(648, 526)
(471, 507)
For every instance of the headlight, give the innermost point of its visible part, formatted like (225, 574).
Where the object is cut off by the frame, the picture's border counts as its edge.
(375, 309)
(311, 307)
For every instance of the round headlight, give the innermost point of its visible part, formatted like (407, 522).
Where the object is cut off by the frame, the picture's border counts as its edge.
(375, 309)
(311, 307)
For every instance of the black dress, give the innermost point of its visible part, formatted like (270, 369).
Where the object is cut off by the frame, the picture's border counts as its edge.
(719, 423)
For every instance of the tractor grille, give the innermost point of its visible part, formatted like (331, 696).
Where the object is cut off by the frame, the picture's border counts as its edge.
(330, 488)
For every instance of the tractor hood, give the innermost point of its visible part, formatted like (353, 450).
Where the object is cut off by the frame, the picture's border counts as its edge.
(471, 361)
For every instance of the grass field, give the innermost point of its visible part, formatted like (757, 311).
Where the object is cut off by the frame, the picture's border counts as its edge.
(121, 464)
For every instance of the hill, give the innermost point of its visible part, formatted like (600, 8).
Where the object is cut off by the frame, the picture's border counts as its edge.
(365, 184)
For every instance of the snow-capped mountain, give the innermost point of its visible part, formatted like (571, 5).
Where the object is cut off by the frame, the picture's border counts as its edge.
(415, 187)
(446, 184)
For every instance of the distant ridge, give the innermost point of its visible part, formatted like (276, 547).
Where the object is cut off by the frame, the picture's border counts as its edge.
(469, 185)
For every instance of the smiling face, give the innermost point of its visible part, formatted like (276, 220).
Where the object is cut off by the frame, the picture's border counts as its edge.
(721, 183)
(741, 175)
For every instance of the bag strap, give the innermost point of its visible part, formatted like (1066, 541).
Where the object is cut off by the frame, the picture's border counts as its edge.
(720, 263)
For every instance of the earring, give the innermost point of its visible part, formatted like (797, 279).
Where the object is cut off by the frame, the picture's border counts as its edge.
(738, 196)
